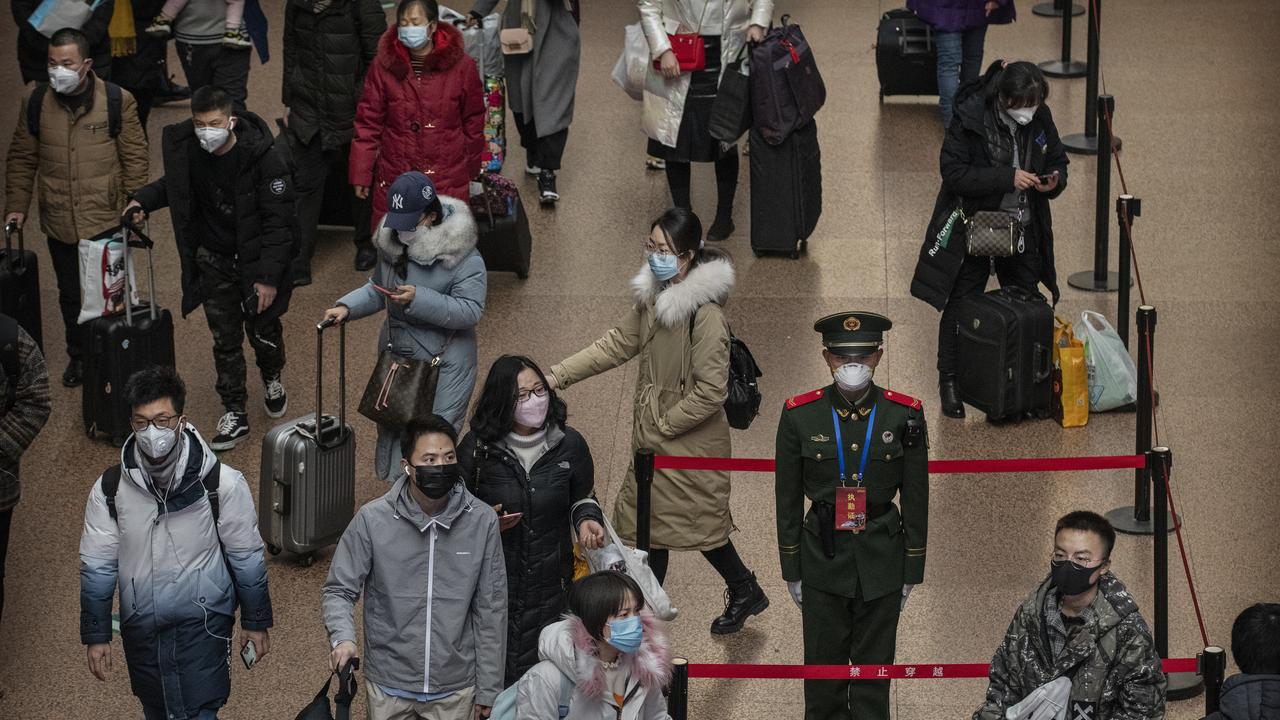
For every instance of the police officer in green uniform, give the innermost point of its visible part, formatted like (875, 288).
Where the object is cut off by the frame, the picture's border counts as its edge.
(852, 559)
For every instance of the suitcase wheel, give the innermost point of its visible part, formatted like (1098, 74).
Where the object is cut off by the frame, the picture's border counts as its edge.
(881, 97)
(306, 560)
(273, 549)
(757, 253)
(523, 275)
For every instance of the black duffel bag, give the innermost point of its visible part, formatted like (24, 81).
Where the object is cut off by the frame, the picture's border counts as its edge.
(786, 87)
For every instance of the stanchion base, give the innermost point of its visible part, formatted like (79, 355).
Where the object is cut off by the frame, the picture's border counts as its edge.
(1084, 280)
(1049, 9)
(1082, 144)
(1069, 69)
(1122, 520)
(1183, 686)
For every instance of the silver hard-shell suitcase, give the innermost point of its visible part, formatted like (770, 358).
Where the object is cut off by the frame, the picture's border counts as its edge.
(307, 493)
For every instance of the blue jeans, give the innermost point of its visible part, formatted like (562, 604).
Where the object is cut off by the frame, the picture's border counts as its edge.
(959, 60)
(158, 713)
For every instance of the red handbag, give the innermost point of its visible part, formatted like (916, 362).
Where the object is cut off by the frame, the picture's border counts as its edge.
(690, 50)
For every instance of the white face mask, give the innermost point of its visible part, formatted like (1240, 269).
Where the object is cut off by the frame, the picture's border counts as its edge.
(156, 443)
(407, 236)
(1022, 116)
(852, 376)
(212, 138)
(63, 80)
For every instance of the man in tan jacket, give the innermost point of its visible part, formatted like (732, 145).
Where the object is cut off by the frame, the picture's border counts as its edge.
(80, 136)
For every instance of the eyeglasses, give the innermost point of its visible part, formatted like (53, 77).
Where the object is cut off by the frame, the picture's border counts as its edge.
(664, 250)
(165, 422)
(524, 395)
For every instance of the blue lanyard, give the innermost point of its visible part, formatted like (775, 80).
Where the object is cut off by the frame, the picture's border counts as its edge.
(866, 445)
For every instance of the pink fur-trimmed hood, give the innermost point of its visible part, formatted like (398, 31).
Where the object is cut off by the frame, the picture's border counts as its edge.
(569, 646)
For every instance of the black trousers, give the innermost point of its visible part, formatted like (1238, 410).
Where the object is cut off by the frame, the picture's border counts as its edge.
(541, 152)
(66, 269)
(217, 64)
(841, 630)
(1018, 271)
(724, 559)
(220, 278)
(6, 519)
(312, 167)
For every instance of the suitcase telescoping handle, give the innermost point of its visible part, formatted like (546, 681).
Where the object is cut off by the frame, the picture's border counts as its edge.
(342, 382)
(10, 230)
(128, 228)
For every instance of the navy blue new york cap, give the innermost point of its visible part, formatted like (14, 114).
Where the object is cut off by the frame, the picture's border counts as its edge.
(407, 198)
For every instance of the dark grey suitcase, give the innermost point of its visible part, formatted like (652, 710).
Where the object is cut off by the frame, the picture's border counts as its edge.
(1006, 345)
(906, 55)
(20, 284)
(786, 191)
(307, 490)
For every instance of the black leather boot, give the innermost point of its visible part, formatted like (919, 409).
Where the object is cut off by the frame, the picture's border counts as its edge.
(949, 394)
(741, 601)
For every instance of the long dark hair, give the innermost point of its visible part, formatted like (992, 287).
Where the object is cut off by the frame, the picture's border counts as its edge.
(1019, 84)
(495, 413)
(683, 231)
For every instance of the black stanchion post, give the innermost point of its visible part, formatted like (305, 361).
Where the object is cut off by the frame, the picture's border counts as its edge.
(1099, 279)
(1127, 208)
(1181, 686)
(1087, 142)
(1213, 669)
(678, 700)
(1065, 67)
(1136, 519)
(1055, 8)
(644, 488)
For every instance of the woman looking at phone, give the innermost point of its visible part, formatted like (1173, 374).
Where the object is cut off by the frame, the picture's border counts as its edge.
(431, 282)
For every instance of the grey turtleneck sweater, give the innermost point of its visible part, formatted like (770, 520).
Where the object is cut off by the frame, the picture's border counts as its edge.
(528, 448)
(163, 472)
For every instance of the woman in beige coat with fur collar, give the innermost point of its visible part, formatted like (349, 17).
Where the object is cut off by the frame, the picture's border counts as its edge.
(677, 332)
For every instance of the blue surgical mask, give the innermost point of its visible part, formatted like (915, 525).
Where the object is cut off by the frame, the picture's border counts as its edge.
(626, 634)
(664, 266)
(413, 36)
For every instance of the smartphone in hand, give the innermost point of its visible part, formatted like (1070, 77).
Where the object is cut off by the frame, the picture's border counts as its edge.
(384, 291)
(1046, 179)
(249, 655)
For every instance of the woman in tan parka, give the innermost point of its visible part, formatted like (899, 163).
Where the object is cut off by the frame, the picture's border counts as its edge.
(677, 332)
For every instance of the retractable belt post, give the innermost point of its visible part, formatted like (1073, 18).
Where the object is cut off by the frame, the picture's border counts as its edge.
(1136, 519)
(1055, 8)
(1128, 207)
(1099, 279)
(643, 464)
(1213, 668)
(1088, 142)
(678, 700)
(1064, 67)
(1181, 685)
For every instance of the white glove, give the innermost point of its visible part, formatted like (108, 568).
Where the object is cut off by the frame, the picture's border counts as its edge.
(1047, 702)
(906, 591)
(794, 589)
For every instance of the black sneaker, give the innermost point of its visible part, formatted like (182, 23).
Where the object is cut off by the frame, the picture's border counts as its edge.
(274, 399)
(74, 374)
(547, 187)
(232, 428)
(366, 256)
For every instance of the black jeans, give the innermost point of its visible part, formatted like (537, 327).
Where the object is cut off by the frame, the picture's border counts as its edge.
(724, 559)
(66, 268)
(541, 152)
(1018, 271)
(6, 519)
(312, 168)
(220, 279)
(216, 64)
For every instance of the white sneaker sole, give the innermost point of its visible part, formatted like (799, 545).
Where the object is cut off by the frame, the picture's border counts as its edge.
(284, 409)
(228, 445)
(534, 171)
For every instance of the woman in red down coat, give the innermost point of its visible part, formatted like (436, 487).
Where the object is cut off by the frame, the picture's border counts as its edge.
(432, 121)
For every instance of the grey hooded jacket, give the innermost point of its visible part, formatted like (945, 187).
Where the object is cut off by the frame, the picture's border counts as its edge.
(1249, 697)
(435, 607)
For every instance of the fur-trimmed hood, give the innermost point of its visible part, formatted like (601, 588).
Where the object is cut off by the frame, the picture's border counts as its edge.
(447, 50)
(675, 303)
(569, 646)
(450, 241)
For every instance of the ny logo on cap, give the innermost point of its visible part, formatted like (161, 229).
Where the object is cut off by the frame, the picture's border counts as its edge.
(397, 202)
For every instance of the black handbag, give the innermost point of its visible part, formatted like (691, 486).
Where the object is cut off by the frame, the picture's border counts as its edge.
(401, 389)
(318, 709)
(731, 110)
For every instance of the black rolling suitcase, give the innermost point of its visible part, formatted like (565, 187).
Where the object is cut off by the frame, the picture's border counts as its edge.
(1006, 343)
(906, 55)
(20, 284)
(116, 347)
(786, 191)
(307, 490)
(504, 240)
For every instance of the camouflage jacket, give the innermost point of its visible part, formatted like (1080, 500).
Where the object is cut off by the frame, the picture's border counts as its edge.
(1111, 660)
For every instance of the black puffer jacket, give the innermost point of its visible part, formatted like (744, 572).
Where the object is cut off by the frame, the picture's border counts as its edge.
(1249, 697)
(539, 553)
(325, 58)
(973, 178)
(265, 226)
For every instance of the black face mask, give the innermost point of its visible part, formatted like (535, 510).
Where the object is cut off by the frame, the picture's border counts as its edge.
(435, 481)
(1070, 578)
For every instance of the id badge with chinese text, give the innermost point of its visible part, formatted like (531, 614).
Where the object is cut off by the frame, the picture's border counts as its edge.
(851, 509)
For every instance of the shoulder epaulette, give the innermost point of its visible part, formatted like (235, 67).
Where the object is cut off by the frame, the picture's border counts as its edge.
(805, 398)
(901, 399)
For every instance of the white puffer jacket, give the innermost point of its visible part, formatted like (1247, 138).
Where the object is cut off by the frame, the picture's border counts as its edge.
(664, 99)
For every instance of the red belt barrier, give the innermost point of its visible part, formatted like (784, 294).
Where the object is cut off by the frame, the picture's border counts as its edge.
(873, 672)
(936, 467)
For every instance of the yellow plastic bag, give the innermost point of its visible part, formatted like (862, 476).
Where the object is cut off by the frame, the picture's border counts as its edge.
(1070, 377)
(580, 567)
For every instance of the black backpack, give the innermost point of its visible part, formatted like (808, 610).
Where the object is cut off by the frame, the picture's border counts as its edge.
(36, 103)
(742, 399)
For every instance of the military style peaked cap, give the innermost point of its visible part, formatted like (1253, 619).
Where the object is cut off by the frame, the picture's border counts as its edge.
(852, 334)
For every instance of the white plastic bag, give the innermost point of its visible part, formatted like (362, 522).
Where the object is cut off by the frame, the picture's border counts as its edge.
(102, 277)
(51, 16)
(629, 72)
(1113, 378)
(636, 565)
(480, 42)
